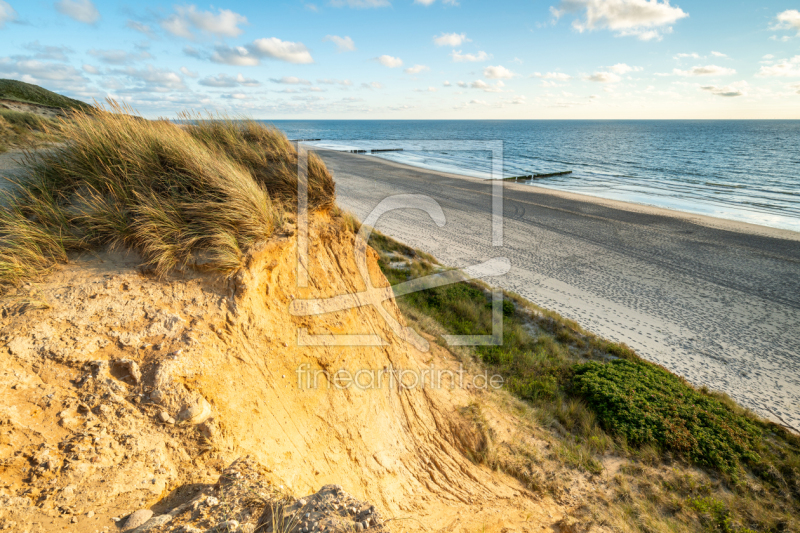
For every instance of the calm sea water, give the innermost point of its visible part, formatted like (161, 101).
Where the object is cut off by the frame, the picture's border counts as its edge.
(739, 170)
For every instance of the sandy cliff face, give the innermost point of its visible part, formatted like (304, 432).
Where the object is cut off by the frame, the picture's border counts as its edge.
(120, 390)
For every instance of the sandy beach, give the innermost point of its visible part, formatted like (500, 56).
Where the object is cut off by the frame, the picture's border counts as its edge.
(713, 300)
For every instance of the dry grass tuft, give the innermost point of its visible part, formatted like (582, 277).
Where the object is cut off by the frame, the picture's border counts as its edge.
(177, 195)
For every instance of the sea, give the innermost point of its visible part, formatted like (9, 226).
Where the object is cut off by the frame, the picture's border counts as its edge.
(745, 170)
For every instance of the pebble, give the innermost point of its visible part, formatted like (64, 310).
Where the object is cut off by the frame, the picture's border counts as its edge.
(164, 418)
(138, 518)
(90, 514)
(211, 501)
(132, 368)
(156, 396)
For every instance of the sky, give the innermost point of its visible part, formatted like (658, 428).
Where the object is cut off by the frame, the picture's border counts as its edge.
(415, 59)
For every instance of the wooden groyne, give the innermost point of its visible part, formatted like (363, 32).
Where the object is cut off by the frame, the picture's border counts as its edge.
(386, 150)
(302, 140)
(538, 176)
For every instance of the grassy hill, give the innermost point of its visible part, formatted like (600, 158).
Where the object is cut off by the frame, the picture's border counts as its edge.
(33, 94)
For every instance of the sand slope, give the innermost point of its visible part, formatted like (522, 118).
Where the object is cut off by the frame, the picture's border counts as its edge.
(80, 430)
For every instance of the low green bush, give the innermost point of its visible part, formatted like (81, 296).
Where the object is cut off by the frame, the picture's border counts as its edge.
(648, 405)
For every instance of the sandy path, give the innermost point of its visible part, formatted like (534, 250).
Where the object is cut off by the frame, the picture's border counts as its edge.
(715, 301)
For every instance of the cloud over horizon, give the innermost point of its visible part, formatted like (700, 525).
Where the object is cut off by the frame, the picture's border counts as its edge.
(645, 19)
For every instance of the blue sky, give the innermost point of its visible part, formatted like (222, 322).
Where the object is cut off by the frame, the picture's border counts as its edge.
(406, 59)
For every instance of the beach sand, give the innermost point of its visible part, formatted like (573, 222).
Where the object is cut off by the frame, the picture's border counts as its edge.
(713, 300)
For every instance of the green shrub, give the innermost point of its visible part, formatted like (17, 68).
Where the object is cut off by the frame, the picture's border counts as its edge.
(648, 405)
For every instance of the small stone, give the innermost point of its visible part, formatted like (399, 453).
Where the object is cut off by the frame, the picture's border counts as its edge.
(211, 501)
(74, 520)
(90, 514)
(156, 396)
(359, 526)
(132, 368)
(138, 518)
(164, 418)
(208, 428)
(365, 523)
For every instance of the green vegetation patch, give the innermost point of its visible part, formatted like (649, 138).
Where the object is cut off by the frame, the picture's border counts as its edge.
(33, 94)
(648, 405)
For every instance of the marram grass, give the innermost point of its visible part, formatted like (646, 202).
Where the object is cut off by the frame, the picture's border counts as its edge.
(210, 188)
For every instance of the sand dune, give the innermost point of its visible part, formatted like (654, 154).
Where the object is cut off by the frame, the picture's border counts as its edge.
(715, 301)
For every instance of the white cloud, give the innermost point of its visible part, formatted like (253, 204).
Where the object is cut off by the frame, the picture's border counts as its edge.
(732, 90)
(251, 54)
(462, 84)
(416, 69)
(447, 84)
(560, 76)
(152, 80)
(89, 69)
(186, 19)
(622, 68)
(188, 73)
(118, 57)
(478, 102)
(708, 70)
(360, 3)
(372, 85)
(283, 50)
(235, 96)
(768, 56)
(480, 84)
(784, 68)
(53, 75)
(451, 39)
(57, 53)
(498, 73)
(239, 56)
(458, 57)
(7, 13)
(345, 83)
(343, 44)
(604, 77)
(718, 54)
(788, 20)
(222, 80)
(80, 10)
(389, 61)
(646, 19)
(290, 80)
(518, 100)
(141, 28)
(693, 55)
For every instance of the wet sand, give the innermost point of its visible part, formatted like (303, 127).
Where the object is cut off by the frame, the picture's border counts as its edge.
(713, 300)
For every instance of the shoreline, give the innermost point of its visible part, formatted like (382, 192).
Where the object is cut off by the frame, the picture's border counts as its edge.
(707, 298)
(695, 218)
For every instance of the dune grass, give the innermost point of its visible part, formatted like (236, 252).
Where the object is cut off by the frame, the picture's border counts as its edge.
(179, 196)
(600, 399)
(26, 130)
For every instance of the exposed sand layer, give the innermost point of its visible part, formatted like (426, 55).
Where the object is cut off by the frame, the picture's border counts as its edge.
(715, 301)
